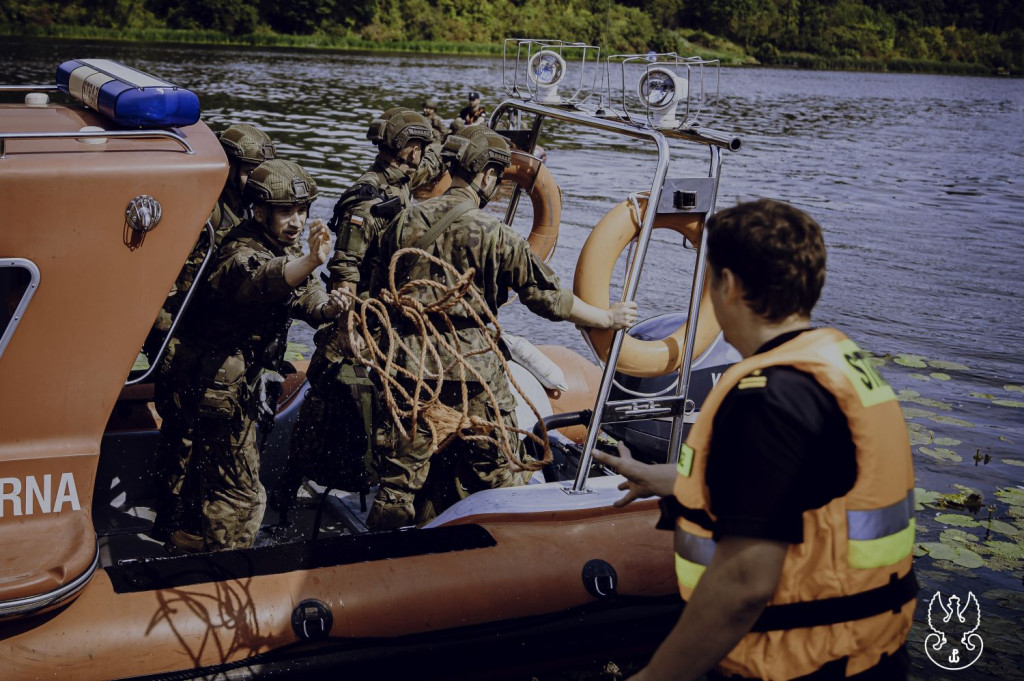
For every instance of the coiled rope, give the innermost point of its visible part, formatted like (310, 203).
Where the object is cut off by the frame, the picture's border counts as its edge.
(370, 321)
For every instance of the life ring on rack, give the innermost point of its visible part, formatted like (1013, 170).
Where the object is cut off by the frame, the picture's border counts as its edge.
(592, 284)
(530, 173)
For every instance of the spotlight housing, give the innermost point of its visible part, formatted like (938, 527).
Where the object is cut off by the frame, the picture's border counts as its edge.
(546, 69)
(661, 90)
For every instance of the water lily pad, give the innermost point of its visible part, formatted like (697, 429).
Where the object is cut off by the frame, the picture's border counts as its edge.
(141, 363)
(920, 377)
(983, 396)
(1003, 438)
(919, 436)
(948, 536)
(941, 454)
(947, 366)
(946, 441)
(912, 361)
(877, 361)
(923, 496)
(1014, 388)
(296, 352)
(939, 376)
(957, 520)
(959, 555)
(906, 392)
(951, 421)
(1004, 548)
(915, 413)
(1009, 403)
(1014, 462)
(1002, 527)
(927, 402)
(967, 499)
(1011, 495)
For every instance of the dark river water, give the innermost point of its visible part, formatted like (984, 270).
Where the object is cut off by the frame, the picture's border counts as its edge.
(915, 179)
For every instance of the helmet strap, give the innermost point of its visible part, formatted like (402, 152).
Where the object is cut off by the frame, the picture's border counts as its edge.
(485, 196)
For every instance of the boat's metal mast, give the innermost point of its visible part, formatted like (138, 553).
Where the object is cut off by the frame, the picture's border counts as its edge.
(642, 408)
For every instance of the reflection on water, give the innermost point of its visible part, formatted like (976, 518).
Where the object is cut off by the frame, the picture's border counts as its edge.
(916, 180)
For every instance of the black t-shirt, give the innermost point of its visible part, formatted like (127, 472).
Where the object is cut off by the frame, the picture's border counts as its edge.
(779, 447)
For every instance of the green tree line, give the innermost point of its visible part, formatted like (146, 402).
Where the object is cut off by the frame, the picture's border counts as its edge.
(934, 35)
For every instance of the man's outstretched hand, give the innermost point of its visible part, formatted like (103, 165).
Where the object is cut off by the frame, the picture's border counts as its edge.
(642, 479)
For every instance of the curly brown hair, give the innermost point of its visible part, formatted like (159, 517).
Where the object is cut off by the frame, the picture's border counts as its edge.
(776, 251)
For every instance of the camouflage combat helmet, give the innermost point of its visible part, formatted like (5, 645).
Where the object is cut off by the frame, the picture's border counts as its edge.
(280, 183)
(244, 142)
(430, 103)
(398, 126)
(475, 147)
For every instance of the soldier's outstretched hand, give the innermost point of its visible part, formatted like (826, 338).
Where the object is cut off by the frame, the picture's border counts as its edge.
(622, 315)
(319, 241)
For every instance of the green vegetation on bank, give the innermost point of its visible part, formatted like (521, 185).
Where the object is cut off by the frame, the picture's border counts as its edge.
(946, 36)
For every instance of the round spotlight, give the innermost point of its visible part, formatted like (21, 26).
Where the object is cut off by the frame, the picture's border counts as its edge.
(546, 69)
(661, 90)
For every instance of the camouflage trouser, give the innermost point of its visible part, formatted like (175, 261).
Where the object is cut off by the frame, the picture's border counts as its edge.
(329, 440)
(416, 484)
(229, 466)
(177, 395)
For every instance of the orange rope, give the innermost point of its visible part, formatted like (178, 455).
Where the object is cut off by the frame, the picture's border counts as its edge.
(433, 326)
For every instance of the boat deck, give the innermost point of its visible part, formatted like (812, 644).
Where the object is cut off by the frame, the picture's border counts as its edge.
(318, 513)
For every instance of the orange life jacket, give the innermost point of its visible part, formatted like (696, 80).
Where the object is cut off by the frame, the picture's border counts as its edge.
(848, 590)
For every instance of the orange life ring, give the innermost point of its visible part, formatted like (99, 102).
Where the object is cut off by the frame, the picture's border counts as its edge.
(545, 195)
(592, 284)
(534, 177)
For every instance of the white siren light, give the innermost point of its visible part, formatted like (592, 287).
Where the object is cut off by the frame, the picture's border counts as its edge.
(546, 69)
(661, 90)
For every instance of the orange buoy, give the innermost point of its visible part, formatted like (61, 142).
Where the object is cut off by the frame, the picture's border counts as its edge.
(546, 197)
(592, 284)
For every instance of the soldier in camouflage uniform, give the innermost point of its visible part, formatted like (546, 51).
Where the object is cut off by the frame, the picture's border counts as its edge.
(232, 344)
(453, 228)
(246, 147)
(332, 436)
(439, 127)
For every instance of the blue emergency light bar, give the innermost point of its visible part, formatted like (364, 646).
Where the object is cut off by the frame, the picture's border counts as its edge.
(127, 96)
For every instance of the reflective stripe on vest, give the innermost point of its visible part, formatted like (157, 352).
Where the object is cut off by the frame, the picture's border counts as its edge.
(875, 538)
(693, 554)
(881, 536)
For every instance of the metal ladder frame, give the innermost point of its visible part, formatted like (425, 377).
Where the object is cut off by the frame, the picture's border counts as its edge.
(637, 409)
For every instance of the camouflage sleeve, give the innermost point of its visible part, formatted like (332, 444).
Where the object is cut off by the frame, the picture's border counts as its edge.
(307, 304)
(356, 229)
(246, 275)
(431, 167)
(536, 284)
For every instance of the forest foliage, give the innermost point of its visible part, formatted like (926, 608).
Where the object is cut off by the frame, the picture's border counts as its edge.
(924, 35)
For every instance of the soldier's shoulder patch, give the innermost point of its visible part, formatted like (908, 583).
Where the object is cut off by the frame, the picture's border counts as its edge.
(753, 381)
(356, 220)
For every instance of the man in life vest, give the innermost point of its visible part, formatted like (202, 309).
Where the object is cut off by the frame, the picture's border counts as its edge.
(793, 497)
(474, 112)
(453, 228)
(232, 345)
(246, 147)
(331, 440)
